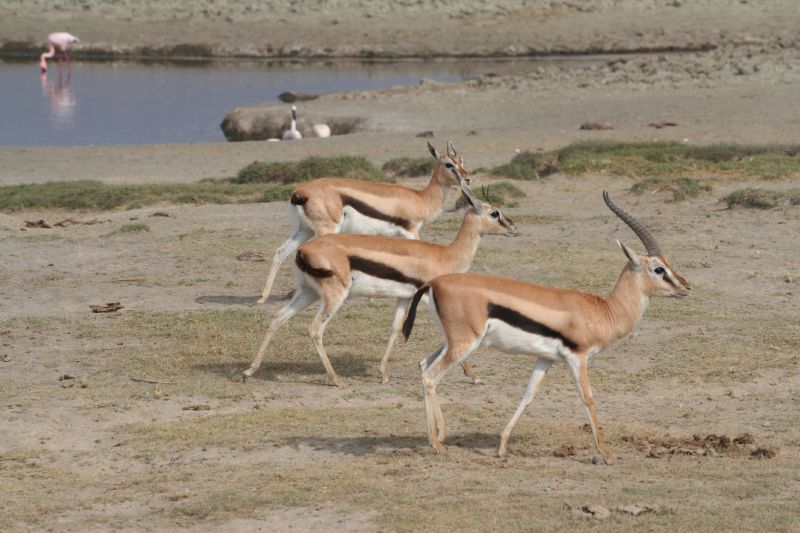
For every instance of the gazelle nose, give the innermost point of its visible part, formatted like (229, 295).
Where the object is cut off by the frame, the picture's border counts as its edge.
(467, 180)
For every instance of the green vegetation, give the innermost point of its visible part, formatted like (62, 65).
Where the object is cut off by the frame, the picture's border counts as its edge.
(527, 166)
(659, 161)
(409, 167)
(762, 199)
(309, 169)
(133, 228)
(247, 186)
(501, 194)
(97, 195)
(680, 187)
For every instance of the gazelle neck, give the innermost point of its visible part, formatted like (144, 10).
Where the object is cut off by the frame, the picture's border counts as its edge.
(627, 303)
(434, 194)
(463, 248)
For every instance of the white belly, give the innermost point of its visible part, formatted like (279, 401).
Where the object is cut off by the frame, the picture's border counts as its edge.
(365, 285)
(355, 222)
(512, 340)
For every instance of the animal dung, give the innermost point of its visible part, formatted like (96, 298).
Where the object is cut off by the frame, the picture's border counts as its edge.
(106, 308)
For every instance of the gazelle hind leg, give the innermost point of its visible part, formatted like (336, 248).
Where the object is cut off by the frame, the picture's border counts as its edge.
(431, 376)
(285, 250)
(303, 297)
(332, 300)
(399, 312)
(578, 365)
(470, 372)
(539, 372)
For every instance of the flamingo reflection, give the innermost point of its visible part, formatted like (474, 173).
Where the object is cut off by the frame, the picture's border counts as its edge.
(60, 98)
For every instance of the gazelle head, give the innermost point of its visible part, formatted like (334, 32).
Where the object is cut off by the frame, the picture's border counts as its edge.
(491, 220)
(658, 277)
(450, 165)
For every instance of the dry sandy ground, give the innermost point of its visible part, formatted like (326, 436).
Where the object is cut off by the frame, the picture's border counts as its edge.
(285, 452)
(359, 28)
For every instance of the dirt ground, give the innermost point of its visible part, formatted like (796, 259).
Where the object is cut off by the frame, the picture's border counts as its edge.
(136, 420)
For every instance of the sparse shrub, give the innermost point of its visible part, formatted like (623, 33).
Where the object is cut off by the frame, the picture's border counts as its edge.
(501, 193)
(681, 187)
(308, 169)
(527, 166)
(133, 228)
(409, 167)
(278, 193)
(761, 198)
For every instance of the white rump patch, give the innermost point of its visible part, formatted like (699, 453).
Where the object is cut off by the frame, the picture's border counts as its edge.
(355, 222)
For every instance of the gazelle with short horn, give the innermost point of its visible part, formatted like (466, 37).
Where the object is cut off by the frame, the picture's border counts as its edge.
(548, 323)
(334, 205)
(333, 268)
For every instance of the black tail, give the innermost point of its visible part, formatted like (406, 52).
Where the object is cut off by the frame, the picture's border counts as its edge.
(408, 325)
(296, 199)
(302, 264)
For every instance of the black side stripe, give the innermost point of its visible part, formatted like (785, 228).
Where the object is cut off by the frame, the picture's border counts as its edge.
(520, 321)
(369, 211)
(302, 264)
(379, 270)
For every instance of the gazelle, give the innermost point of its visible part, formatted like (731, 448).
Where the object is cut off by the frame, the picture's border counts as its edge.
(333, 205)
(336, 267)
(550, 324)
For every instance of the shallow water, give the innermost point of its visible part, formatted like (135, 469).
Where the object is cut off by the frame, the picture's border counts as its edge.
(145, 103)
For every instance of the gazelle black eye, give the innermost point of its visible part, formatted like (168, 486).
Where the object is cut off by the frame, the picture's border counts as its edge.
(449, 165)
(659, 270)
(495, 214)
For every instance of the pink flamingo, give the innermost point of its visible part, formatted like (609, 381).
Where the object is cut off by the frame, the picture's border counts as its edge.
(60, 40)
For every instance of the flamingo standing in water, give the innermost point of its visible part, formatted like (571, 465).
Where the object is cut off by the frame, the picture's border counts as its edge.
(60, 40)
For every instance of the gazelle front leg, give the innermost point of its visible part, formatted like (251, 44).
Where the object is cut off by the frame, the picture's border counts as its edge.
(402, 305)
(539, 372)
(579, 366)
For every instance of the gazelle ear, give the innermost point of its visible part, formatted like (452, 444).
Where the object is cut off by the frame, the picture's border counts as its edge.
(469, 196)
(631, 255)
(433, 151)
(451, 149)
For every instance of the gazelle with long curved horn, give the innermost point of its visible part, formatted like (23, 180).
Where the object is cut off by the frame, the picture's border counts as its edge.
(334, 205)
(550, 324)
(334, 267)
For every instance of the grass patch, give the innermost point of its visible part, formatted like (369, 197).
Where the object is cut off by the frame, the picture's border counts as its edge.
(133, 228)
(501, 193)
(762, 198)
(680, 187)
(283, 172)
(665, 159)
(527, 166)
(248, 186)
(81, 195)
(409, 167)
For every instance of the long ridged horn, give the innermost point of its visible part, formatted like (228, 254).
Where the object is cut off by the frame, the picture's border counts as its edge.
(638, 228)
(451, 149)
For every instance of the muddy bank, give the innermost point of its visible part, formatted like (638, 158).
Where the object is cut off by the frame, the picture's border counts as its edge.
(356, 29)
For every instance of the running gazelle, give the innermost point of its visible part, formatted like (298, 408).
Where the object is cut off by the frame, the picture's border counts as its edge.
(337, 205)
(335, 267)
(549, 323)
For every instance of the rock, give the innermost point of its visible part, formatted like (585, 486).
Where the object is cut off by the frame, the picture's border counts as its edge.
(259, 123)
(107, 308)
(635, 509)
(594, 511)
(425, 134)
(289, 97)
(596, 126)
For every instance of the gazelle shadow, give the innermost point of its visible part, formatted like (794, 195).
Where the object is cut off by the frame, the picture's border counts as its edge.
(481, 443)
(345, 365)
